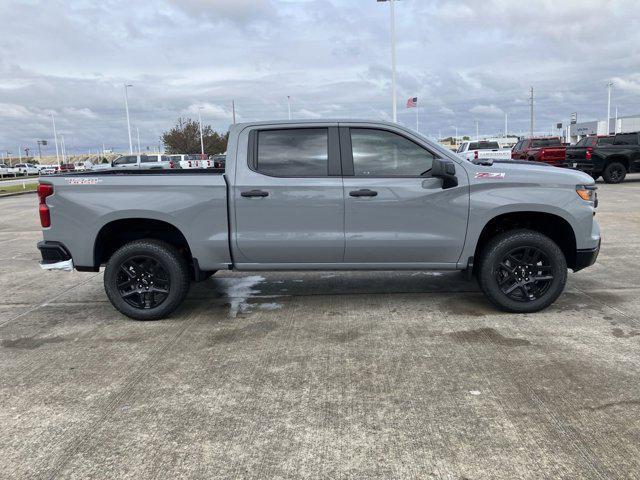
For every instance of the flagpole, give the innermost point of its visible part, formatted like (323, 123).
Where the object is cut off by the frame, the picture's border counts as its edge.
(417, 118)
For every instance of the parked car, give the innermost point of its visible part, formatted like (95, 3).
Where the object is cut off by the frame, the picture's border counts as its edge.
(79, 167)
(25, 169)
(609, 157)
(48, 169)
(547, 150)
(187, 162)
(144, 162)
(4, 169)
(322, 195)
(483, 150)
(219, 161)
(66, 168)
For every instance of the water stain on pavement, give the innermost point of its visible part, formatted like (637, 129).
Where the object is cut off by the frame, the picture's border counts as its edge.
(29, 343)
(488, 335)
(619, 333)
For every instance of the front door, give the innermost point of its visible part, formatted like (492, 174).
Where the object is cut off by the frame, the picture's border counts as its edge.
(395, 212)
(289, 203)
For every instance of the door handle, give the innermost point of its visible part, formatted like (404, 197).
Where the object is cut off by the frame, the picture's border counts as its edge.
(364, 192)
(255, 193)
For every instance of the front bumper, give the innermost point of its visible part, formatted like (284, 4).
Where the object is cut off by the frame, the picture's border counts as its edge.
(55, 256)
(586, 258)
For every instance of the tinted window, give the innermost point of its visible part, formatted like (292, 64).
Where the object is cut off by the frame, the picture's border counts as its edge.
(605, 141)
(148, 158)
(483, 145)
(293, 153)
(546, 142)
(582, 142)
(126, 160)
(626, 139)
(386, 154)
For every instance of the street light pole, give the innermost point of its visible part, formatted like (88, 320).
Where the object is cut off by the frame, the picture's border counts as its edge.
(126, 107)
(609, 85)
(393, 56)
(64, 152)
(289, 105)
(138, 134)
(201, 138)
(55, 138)
(477, 131)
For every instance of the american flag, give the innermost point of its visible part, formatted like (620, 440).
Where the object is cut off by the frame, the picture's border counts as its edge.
(412, 102)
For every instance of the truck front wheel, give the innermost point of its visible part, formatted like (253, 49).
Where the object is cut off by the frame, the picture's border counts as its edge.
(146, 279)
(522, 271)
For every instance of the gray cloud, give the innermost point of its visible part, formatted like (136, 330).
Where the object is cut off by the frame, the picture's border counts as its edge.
(465, 60)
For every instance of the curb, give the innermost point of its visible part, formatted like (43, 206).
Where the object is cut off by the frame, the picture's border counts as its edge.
(15, 194)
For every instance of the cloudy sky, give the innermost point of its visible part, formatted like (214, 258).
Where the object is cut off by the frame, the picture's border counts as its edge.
(466, 61)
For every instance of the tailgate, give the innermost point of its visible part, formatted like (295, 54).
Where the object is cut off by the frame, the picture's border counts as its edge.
(576, 154)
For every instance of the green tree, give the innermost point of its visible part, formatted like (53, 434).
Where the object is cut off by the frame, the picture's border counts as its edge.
(184, 137)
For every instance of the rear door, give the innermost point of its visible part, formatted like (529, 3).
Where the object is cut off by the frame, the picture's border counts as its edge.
(396, 214)
(288, 198)
(126, 162)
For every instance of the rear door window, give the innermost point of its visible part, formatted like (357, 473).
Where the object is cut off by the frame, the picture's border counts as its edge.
(126, 160)
(302, 152)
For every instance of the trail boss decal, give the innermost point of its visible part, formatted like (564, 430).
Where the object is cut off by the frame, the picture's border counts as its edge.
(83, 181)
(490, 175)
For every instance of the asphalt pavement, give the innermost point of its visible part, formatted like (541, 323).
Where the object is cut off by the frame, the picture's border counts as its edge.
(321, 375)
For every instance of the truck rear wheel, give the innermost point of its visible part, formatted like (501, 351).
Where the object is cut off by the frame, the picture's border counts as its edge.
(146, 279)
(614, 173)
(522, 271)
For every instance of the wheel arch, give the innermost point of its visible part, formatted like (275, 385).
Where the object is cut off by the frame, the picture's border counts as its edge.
(618, 158)
(117, 233)
(554, 226)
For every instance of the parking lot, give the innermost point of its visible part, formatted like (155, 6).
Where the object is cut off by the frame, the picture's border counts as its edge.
(322, 375)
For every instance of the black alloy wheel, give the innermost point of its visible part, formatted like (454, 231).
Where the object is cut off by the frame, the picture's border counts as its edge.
(143, 282)
(524, 274)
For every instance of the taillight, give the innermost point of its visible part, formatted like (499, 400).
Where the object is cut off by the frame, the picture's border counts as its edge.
(171, 164)
(44, 190)
(588, 154)
(475, 155)
(542, 152)
(189, 163)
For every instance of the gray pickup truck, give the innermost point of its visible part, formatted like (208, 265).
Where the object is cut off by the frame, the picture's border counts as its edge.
(323, 195)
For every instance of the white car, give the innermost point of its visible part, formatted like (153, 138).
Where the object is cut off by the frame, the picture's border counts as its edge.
(79, 167)
(4, 169)
(48, 169)
(144, 162)
(483, 150)
(25, 169)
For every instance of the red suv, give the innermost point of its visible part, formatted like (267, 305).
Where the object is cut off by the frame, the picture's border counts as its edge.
(548, 150)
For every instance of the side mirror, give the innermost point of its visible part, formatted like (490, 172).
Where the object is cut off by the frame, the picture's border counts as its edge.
(446, 170)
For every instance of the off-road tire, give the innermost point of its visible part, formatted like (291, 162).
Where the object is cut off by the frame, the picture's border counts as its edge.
(614, 173)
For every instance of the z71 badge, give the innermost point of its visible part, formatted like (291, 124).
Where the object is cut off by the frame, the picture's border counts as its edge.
(490, 175)
(83, 181)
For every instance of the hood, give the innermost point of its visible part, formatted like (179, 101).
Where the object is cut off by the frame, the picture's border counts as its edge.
(522, 171)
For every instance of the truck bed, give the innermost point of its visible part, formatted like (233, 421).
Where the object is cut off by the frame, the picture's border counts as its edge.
(193, 201)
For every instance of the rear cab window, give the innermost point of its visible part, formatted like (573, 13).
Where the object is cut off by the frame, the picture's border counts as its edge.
(301, 152)
(626, 139)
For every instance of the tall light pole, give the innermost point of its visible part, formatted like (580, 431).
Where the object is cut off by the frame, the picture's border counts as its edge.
(289, 105)
(531, 107)
(393, 56)
(477, 131)
(126, 107)
(64, 151)
(201, 138)
(505, 125)
(55, 138)
(138, 134)
(609, 85)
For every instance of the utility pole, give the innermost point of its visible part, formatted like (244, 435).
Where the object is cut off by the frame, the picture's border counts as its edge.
(138, 134)
(55, 138)
(233, 109)
(531, 127)
(609, 85)
(201, 139)
(64, 152)
(289, 105)
(393, 57)
(126, 107)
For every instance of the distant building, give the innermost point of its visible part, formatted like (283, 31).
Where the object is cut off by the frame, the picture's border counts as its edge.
(621, 125)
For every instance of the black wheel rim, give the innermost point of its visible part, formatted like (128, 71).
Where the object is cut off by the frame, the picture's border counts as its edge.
(615, 174)
(143, 282)
(525, 274)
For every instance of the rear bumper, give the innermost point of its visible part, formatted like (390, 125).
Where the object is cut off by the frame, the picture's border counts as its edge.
(53, 252)
(586, 258)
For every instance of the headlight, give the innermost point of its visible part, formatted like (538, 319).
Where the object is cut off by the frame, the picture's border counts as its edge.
(588, 193)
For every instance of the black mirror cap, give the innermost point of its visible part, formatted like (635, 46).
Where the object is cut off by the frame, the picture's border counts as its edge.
(446, 170)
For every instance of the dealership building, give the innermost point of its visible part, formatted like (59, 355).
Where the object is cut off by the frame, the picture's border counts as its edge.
(616, 125)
